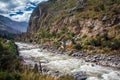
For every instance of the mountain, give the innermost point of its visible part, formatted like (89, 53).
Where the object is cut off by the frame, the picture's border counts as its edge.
(18, 26)
(88, 25)
(5, 28)
(6, 31)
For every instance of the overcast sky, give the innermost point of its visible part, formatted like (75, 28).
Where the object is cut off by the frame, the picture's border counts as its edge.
(18, 10)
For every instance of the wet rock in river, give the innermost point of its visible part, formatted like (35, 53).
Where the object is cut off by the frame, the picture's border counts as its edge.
(69, 53)
(81, 75)
(54, 73)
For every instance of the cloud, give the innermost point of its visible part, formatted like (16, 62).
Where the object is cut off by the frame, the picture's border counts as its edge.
(18, 10)
(23, 17)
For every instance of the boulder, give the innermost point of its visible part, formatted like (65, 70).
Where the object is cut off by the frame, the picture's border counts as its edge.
(80, 75)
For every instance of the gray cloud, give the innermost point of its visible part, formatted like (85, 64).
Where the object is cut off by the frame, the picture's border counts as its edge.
(12, 6)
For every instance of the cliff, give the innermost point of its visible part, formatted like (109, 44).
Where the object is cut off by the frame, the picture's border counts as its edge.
(91, 25)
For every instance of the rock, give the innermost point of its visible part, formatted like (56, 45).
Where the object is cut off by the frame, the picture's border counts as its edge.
(60, 52)
(95, 56)
(102, 57)
(44, 70)
(113, 20)
(81, 75)
(71, 52)
(44, 61)
(55, 73)
(87, 60)
(75, 55)
(92, 65)
(104, 17)
(81, 3)
(109, 59)
(94, 60)
(40, 50)
(118, 66)
(79, 6)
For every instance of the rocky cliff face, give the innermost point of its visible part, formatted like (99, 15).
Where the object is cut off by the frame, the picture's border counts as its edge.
(86, 19)
(56, 14)
(38, 13)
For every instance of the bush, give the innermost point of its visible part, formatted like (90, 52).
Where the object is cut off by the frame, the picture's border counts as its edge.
(99, 7)
(30, 40)
(9, 61)
(102, 7)
(11, 47)
(93, 41)
(1, 47)
(78, 46)
(113, 44)
(64, 30)
(9, 76)
(8, 56)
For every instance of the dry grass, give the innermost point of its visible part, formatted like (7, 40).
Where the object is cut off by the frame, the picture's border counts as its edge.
(31, 75)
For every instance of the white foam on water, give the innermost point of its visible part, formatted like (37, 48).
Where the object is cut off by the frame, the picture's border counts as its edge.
(66, 64)
(93, 78)
(114, 75)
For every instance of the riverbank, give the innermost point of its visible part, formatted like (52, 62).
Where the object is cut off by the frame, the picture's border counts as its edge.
(99, 59)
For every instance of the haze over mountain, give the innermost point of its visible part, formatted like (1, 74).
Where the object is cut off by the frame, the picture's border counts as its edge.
(5, 30)
(13, 25)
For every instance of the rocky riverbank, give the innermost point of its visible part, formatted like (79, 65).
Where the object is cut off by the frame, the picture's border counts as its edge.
(99, 59)
(58, 63)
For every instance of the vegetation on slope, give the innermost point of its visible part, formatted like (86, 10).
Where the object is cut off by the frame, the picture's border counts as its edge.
(88, 25)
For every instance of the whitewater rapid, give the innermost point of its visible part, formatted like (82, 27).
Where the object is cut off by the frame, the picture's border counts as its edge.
(65, 64)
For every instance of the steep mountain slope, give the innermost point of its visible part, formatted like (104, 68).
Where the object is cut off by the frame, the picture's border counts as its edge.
(90, 25)
(4, 28)
(6, 31)
(19, 26)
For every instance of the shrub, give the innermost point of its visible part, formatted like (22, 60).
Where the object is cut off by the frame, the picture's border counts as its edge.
(30, 40)
(9, 76)
(67, 77)
(64, 30)
(11, 47)
(1, 47)
(9, 61)
(113, 44)
(102, 7)
(78, 46)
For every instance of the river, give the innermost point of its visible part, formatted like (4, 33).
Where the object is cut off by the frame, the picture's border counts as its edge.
(65, 64)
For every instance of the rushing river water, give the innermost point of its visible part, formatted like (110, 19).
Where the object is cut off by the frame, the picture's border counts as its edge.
(65, 64)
